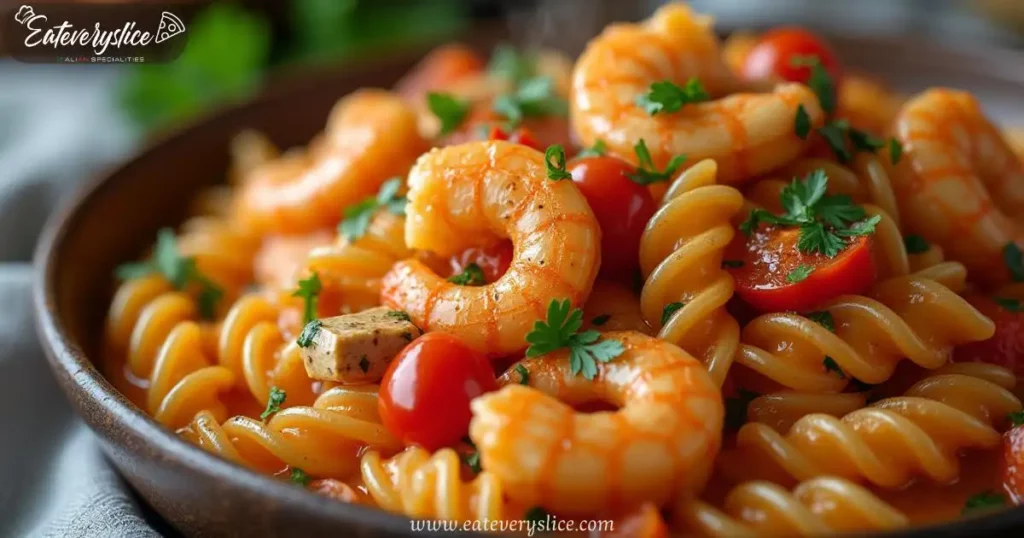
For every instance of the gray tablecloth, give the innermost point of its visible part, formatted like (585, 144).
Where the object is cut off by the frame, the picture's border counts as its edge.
(57, 123)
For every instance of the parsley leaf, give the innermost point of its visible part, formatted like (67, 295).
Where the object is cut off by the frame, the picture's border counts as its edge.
(832, 366)
(823, 318)
(669, 311)
(736, 409)
(309, 291)
(449, 109)
(274, 402)
(665, 96)
(560, 331)
(983, 501)
(865, 141)
(524, 374)
(814, 237)
(1016, 418)
(600, 320)
(895, 150)
(309, 332)
(732, 264)
(534, 97)
(799, 274)
(646, 173)
(358, 216)
(802, 122)
(299, 476)
(597, 150)
(536, 514)
(472, 460)
(835, 136)
(916, 244)
(1011, 305)
(556, 169)
(472, 275)
(1014, 259)
(508, 63)
(820, 82)
(399, 315)
(364, 363)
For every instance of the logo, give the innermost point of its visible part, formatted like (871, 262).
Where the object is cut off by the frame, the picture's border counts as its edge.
(95, 33)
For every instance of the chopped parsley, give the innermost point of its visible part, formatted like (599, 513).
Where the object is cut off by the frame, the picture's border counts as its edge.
(802, 123)
(736, 408)
(309, 333)
(536, 514)
(666, 96)
(865, 141)
(1016, 418)
(597, 150)
(834, 134)
(524, 374)
(509, 64)
(825, 221)
(472, 460)
(450, 110)
(895, 150)
(820, 82)
(799, 274)
(299, 476)
(600, 320)
(1011, 305)
(471, 275)
(274, 402)
(179, 270)
(832, 366)
(399, 315)
(646, 173)
(916, 244)
(554, 161)
(669, 311)
(364, 363)
(560, 331)
(309, 291)
(823, 318)
(358, 216)
(1014, 261)
(732, 264)
(983, 501)
(532, 98)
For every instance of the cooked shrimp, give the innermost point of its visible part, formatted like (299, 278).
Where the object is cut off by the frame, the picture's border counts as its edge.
(747, 134)
(371, 136)
(959, 184)
(660, 443)
(1015, 136)
(476, 194)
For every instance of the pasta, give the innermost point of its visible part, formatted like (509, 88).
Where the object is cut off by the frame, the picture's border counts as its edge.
(443, 308)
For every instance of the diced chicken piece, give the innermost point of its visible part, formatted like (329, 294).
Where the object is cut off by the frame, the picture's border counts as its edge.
(355, 348)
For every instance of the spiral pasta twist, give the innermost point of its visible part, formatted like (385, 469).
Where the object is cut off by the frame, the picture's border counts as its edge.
(422, 485)
(223, 252)
(815, 507)
(681, 256)
(887, 443)
(325, 439)
(185, 381)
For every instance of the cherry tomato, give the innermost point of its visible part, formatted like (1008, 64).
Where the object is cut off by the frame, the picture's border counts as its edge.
(521, 135)
(425, 393)
(1012, 464)
(1006, 347)
(622, 208)
(493, 260)
(770, 259)
(438, 70)
(773, 56)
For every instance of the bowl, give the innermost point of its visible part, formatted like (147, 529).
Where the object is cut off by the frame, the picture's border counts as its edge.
(116, 216)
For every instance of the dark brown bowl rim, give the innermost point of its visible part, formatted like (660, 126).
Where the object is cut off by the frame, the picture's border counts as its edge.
(67, 358)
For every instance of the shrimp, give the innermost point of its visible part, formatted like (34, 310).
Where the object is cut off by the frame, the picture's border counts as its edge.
(959, 184)
(371, 136)
(659, 444)
(747, 134)
(476, 194)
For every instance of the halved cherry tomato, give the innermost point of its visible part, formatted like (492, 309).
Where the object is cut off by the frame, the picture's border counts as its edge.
(438, 70)
(622, 208)
(770, 255)
(521, 135)
(425, 393)
(493, 260)
(773, 56)
(1006, 347)
(1012, 468)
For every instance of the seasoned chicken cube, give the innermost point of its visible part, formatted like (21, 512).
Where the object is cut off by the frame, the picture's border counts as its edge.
(355, 348)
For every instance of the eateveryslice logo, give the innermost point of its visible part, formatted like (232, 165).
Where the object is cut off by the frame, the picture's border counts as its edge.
(70, 33)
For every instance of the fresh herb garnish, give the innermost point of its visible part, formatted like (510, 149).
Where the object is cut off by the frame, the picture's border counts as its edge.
(823, 318)
(299, 476)
(508, 63)
(820, 82)
(736, 408)
(985, 500)
(358, 216)
(472, 460)
(524, 374)
(560, 331)
(471, 275)
(399, 315)
(1014, 259)
(666, 96)
(179, 270)
(803, 122)
(646, 173)
(600, 320)
(309, 291)
(274, 402)
(865, 141)
(536, 514)
(832, 366)
(450, 110)
(669, 311)
(554, 161)
(309, 333)
(895, 150)
(597, 150)
(916, 244)
(534, 97)
(1016, 418)
(364, 363)
(1012, 305)
(732, 264)
(834, 134)
(799, 274)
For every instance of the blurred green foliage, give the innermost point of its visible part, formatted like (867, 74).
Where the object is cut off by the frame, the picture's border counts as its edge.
(230, 49)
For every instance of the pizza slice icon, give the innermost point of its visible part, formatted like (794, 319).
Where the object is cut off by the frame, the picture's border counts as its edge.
(170, 26)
